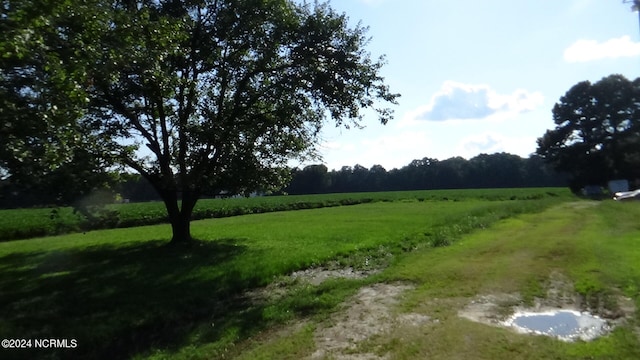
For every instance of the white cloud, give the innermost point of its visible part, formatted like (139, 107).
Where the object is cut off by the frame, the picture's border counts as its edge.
(458, 101)
(482, 143)
(492, 142)
(590, 50)
(393, 150)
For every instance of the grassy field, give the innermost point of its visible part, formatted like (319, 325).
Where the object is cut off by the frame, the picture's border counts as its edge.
(594, 246)
(124, 293)
(28, 223)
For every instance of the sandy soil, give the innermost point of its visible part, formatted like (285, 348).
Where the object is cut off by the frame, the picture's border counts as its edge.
(315, 276)
(370, 312)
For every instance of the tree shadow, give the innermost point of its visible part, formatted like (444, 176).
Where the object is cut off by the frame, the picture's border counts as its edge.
(120, 301)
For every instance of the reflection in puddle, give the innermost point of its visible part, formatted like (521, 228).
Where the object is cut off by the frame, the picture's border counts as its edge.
(564, 324)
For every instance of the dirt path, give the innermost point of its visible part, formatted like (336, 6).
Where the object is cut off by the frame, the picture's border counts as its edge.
(371, 312)
(351, 332)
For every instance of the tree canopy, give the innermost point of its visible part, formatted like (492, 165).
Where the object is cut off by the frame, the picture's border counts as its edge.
(597, 133)
(200, 97)
(40, 99)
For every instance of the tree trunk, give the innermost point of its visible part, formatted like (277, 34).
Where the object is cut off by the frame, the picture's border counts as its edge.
(179, 214)
(181, 228)
(180, 218)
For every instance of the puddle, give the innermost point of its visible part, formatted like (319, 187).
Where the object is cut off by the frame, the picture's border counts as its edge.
(567, 325)
(561, 314)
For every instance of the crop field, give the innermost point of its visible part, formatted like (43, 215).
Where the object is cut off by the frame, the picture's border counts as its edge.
(27, 223)
(124, 293)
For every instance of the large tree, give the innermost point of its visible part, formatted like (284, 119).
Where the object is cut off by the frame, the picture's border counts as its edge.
(597, 133)
(43, 150)
(198, 96)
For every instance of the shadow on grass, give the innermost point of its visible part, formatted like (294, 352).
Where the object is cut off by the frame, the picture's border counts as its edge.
(117, 302)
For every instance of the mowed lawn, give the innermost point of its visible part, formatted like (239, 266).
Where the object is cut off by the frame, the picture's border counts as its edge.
(125, 293)
(593, 245)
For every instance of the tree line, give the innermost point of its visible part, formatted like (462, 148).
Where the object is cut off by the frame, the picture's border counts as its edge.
(500, 170)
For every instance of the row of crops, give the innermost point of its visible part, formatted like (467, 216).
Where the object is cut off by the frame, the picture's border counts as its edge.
(27, 223)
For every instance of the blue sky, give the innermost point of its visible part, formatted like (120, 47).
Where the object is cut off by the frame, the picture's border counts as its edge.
(479, 76)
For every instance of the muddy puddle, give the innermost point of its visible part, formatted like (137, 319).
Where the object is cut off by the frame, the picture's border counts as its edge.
(566, 325)
(561, 314)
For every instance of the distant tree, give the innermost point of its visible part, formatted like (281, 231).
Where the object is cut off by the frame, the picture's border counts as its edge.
(136, 188)
(376, 179)
(537, 172)
(452, 173)
(312, 179)
(597, 133)
(497, 170)
(358, 177)
(420, 173)
(199, 97)
(341, 179)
